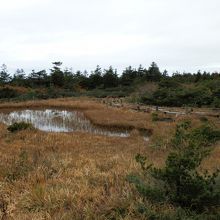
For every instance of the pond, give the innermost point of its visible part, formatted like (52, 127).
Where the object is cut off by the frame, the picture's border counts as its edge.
(54, 120)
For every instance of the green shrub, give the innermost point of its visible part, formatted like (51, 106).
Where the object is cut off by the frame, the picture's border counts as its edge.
(18, 126)
(171, 93)
(154, 116)
(216, 102)
(203, 119)
(7, 93)
(204, 135)
(184, 185)
(179, 181)
(153, 193)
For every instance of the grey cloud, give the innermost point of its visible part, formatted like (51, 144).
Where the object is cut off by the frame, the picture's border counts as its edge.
(178, 35)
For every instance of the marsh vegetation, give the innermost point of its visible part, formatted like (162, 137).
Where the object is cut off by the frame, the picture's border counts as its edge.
(88, 175)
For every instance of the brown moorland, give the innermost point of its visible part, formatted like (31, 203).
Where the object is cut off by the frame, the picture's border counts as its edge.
(78, 175)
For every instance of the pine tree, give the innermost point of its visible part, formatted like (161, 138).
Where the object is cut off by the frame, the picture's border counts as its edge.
(4, 75)
(57, 75)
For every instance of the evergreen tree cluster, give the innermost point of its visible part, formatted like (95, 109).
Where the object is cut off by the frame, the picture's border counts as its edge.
(107, 78)
(178, 89)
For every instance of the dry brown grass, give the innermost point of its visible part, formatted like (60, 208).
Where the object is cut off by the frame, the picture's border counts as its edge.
(98, 113)
(73, 175)
(78, 175)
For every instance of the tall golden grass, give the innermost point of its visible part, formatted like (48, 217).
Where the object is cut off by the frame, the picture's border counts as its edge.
(79, 175)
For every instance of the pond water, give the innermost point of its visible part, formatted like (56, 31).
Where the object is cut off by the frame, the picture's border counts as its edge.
(58, 121)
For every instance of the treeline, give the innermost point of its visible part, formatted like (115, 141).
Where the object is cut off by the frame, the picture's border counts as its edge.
(107, 78)
(201, 88)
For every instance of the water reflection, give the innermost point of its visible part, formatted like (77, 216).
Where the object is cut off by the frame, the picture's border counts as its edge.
(58, 121)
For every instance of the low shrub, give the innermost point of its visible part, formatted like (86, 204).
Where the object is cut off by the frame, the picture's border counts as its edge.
(203, 119)
(203, 136)
(154, 116)
(18, 126)
(7, 93)
(179, 182)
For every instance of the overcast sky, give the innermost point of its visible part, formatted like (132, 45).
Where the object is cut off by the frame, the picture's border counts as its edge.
(179, 35)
